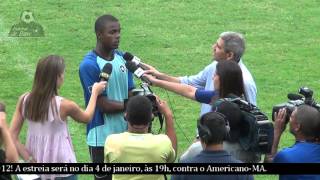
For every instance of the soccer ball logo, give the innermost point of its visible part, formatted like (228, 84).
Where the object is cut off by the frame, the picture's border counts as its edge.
(27, 17)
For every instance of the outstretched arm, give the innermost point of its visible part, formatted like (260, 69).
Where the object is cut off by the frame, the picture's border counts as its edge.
(70, 108)
(162, 76)
(181, 89)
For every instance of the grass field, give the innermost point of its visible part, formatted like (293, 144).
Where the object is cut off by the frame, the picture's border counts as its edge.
(282, 37)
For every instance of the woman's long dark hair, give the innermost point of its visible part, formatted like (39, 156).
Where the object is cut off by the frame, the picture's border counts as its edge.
(44, 88)
(231, 80)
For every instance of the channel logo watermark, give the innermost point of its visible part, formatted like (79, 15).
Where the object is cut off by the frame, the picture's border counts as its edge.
(27, 27)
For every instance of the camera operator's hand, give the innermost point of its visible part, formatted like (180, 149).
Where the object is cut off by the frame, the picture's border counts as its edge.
(280, 121)
(170, 131)
(163, 107)
(279, 127)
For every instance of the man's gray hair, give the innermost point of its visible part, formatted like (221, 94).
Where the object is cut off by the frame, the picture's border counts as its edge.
(233, 42)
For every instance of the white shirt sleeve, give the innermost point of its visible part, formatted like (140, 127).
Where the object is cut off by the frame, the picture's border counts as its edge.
(251, 93)
(199, 80)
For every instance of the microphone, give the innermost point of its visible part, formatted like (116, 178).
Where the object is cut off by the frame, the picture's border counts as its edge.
(106, 72)
(137, 71)
(293, 96)
(131, 58)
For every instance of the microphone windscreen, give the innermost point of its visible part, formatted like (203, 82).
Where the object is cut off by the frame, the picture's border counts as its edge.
(293, 96)
(131, 66)
(107, 68)
(106, 71)
(127, 56)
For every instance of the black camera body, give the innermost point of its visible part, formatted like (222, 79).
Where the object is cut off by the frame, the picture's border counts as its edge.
(296, 100)
(147, 92)
(257, 130)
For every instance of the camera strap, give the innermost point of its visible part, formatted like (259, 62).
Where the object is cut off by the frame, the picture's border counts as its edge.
(160, 121)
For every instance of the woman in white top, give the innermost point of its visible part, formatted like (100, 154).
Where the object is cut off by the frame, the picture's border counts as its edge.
(48, 139)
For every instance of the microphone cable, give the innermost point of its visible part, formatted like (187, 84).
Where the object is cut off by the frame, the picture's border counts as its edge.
(175, 119)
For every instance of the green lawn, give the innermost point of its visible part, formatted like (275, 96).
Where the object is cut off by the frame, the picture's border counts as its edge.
(283, 40)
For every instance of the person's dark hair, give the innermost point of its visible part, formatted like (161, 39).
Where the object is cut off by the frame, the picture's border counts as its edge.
(233, 42)
(139, 110)
(233, 114)
(231, 80)
(309, 118)
(212, 128)
(44, 88)
(102, 21)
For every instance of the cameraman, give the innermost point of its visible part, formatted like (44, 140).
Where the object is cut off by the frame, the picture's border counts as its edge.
(213, 129)
(231, 144)
(304, 124)
(139, 146)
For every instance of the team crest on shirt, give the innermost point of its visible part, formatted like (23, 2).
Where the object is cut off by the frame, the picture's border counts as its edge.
(122, 68)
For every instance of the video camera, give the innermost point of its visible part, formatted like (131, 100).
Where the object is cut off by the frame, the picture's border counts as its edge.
(257, 130)
(147, 92)
(296, 100)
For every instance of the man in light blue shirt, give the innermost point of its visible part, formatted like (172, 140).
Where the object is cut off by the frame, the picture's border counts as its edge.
(229, 46)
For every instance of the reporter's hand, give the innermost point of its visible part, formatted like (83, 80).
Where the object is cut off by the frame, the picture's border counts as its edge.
(152, 71)
(151, 78)
(99, 87)
(280, 121)
(149, 67)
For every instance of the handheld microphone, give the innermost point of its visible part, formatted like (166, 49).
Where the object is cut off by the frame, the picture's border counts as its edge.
(138, 72)
(293, 96)
(131, 58)
(106, 72)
